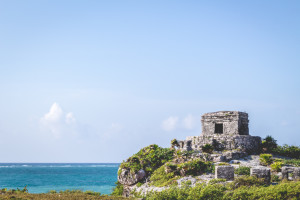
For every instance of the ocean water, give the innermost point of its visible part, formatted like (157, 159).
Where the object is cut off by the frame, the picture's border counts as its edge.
(43, 177)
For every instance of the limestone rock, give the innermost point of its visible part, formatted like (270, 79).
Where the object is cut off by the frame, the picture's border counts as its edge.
(224, 172)
(261, 172)
(128, 178)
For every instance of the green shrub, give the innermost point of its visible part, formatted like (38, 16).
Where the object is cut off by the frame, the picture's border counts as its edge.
(242, 171)
(118, 190)
(161, 178)
(269, 144)
(289, 190)
(276, 166)
(265, 159)
(89, 192)
(148, 158)
(212, 192)
(294, 162)
(246, 181)
(289, 151)
(274, 192)
(174, 143)
(200, 191)
(217, 180)
(195, 167)
(275, 178)
(207, 148)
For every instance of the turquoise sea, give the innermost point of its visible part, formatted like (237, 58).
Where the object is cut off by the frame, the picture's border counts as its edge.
(43, 177)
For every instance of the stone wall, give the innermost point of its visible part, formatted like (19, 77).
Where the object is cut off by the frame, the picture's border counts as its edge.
(246, 143)
(232, 122)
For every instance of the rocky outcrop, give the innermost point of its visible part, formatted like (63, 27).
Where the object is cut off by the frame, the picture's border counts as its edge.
(127, 177)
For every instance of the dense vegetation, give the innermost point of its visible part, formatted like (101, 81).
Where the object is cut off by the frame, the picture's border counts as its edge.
(53, 195)
(242, 170)
(269, 145)
(245, 188)
(149, 159)
(168, 173)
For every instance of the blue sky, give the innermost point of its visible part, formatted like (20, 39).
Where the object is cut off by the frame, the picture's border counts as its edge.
(95, 81)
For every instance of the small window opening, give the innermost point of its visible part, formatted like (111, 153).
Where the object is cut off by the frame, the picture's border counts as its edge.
(219, 128)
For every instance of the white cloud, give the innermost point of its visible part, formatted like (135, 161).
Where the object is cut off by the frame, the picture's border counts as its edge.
(170, 124)
(55, 113)
(189, 122)
(70, 119)
(57, 121)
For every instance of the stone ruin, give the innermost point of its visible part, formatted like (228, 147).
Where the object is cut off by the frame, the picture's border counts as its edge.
(261, 172)
(224, 130)
(292, 173)
(224, 172)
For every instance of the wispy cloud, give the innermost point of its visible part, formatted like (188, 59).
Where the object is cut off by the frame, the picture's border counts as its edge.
(57, 121)
(170, 124)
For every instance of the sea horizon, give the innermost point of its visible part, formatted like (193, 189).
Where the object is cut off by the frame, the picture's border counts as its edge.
(44, 177)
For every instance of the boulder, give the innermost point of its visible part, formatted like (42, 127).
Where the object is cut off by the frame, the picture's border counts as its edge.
(127, 177)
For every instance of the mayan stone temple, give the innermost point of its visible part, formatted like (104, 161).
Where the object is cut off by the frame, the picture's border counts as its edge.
(224, 130)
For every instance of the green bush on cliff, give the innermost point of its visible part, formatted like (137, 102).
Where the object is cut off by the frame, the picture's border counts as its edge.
(161, 177)
(149, 158)
(168, 173)
(118, 190)
(195, 167)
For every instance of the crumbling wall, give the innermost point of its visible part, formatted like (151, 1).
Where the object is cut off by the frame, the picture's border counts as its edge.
(292, 173)
(247, 143)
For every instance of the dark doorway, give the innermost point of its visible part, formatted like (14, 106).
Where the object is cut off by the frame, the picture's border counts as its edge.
(219, 128)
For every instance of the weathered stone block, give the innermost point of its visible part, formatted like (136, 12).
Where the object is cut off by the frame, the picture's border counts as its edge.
(261, 172)
(294, 171)
(224, 172)
(285, 172)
